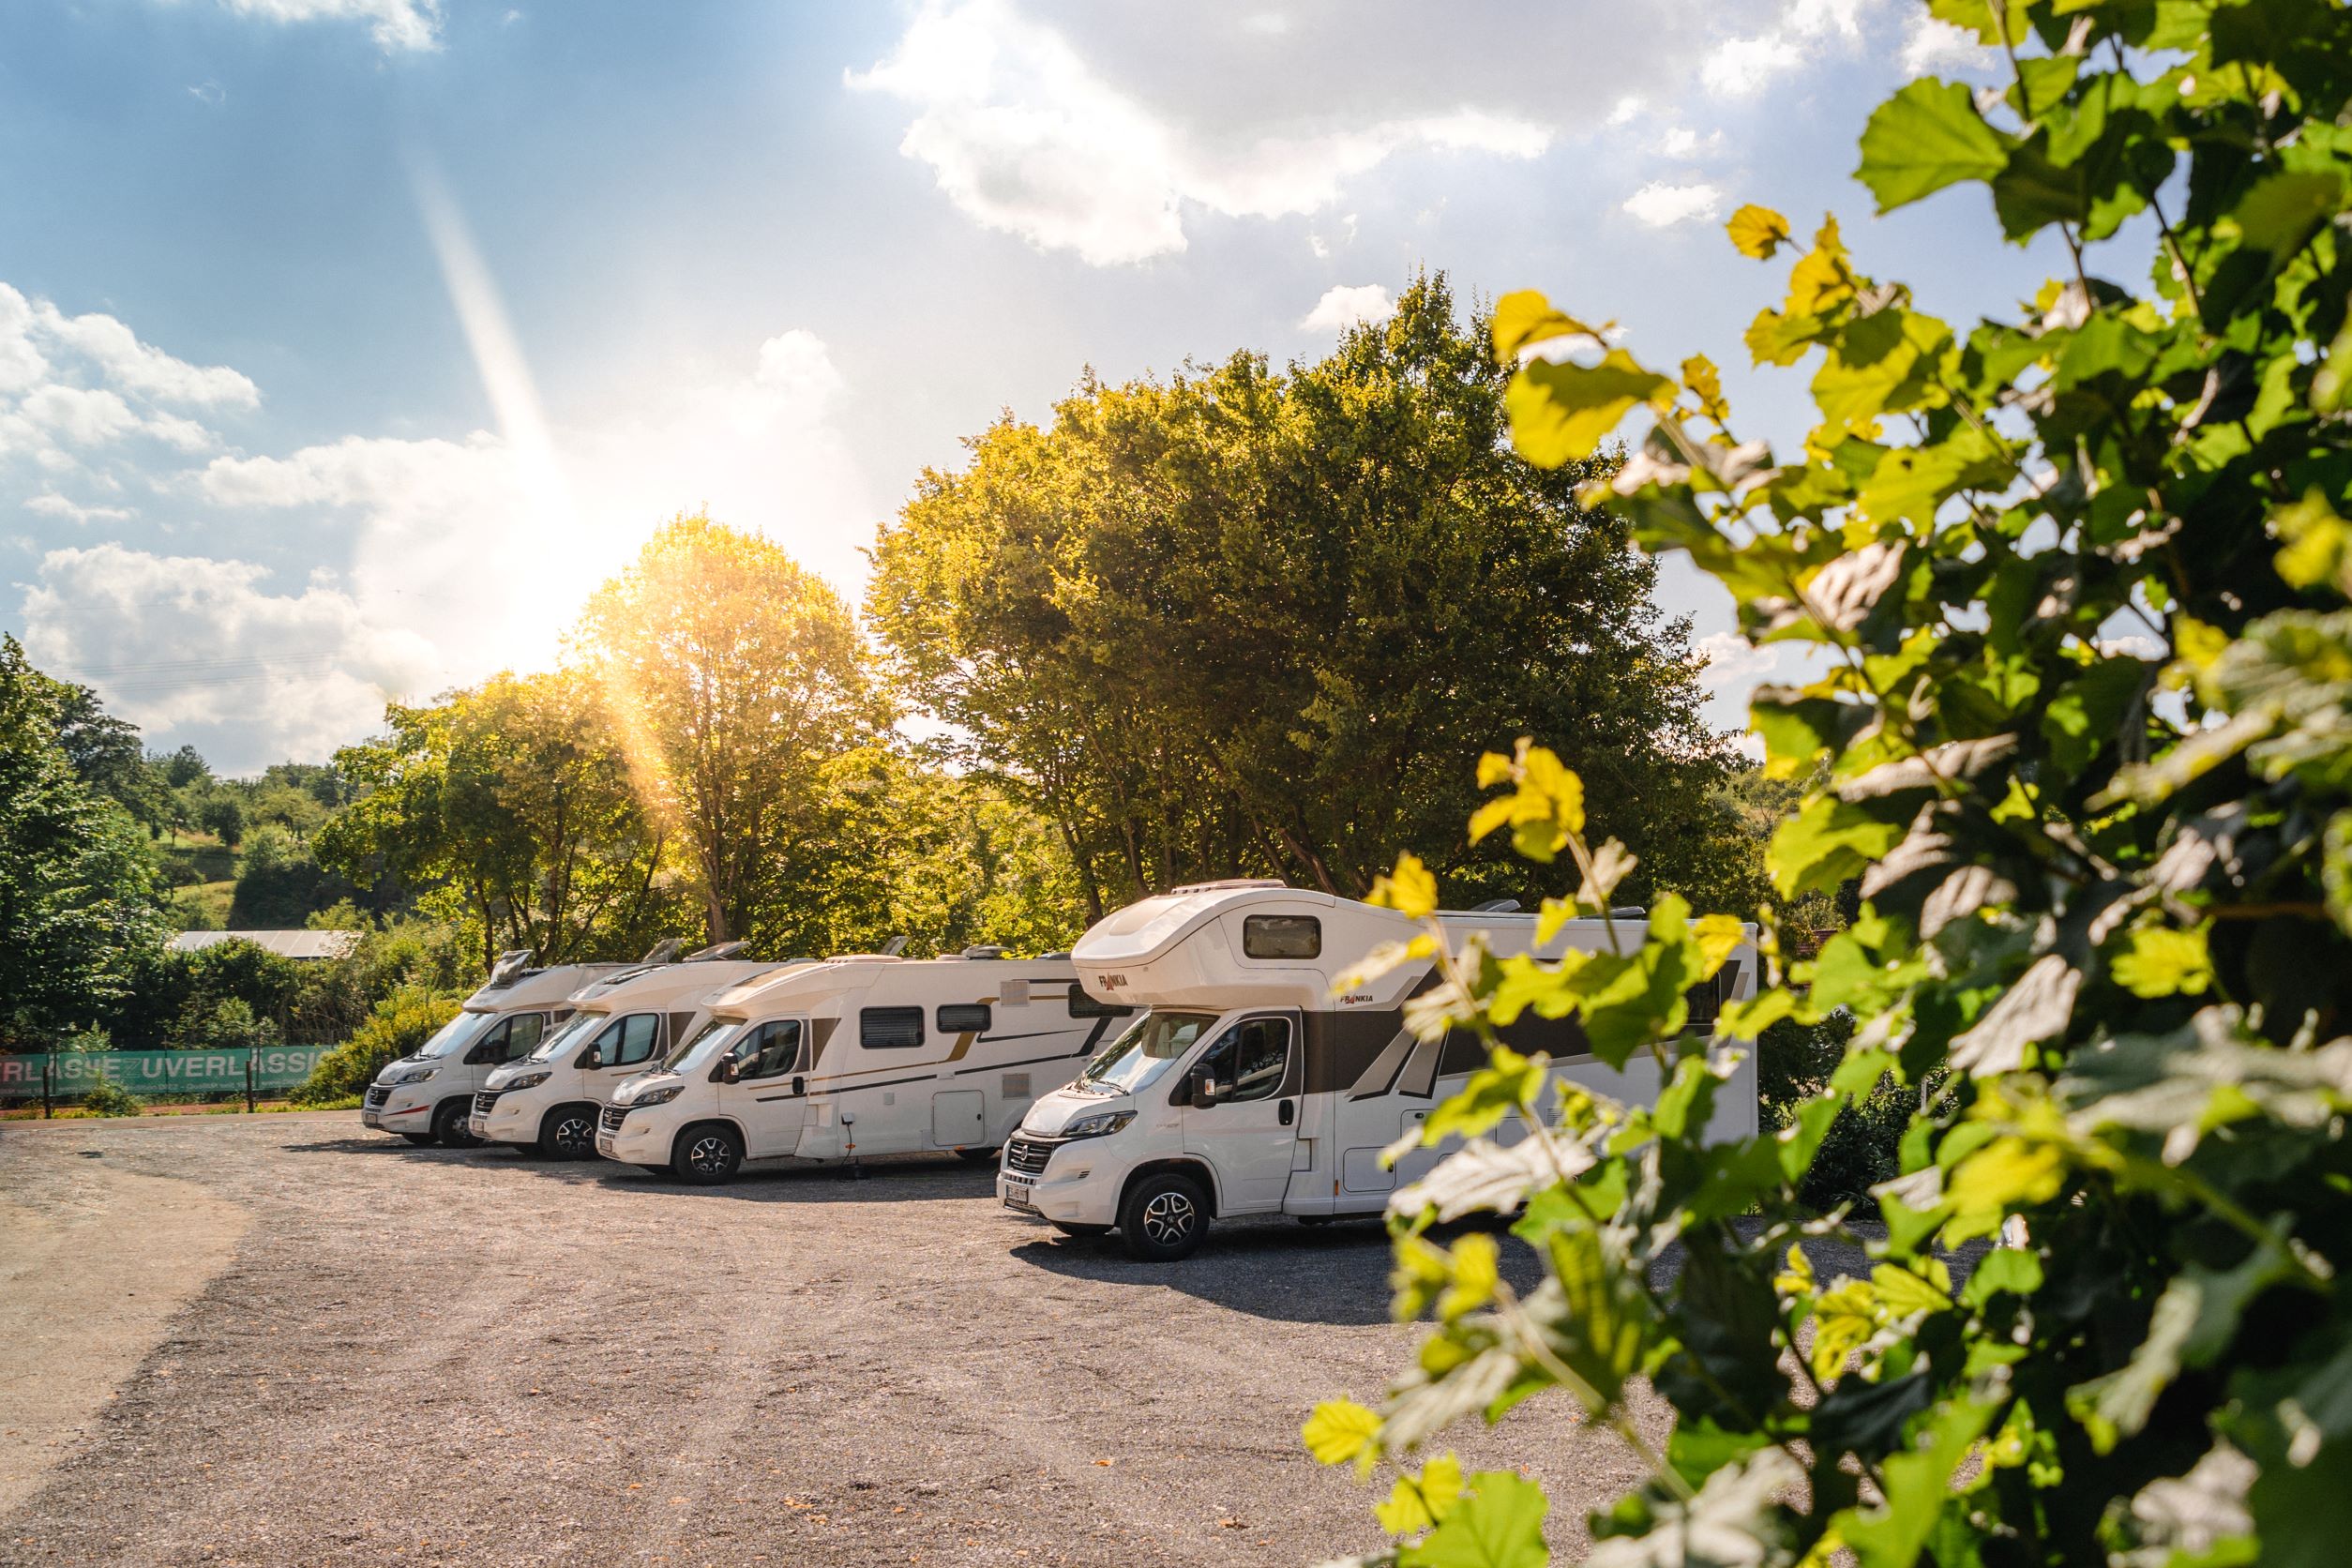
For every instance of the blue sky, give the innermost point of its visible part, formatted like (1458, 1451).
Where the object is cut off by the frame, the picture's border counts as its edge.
(345, 344)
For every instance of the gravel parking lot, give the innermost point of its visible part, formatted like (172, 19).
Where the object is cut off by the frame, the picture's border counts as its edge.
(415, 1355)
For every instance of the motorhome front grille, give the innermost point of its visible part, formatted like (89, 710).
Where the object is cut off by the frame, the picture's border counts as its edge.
(613, 1117)
(378, 1094)
(484, 1099)
(1027, 1155)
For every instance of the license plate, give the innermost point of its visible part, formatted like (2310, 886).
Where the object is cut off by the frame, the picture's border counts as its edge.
(604, 1144)
(1019, 1195)
(371, 1117)
(477, 1124)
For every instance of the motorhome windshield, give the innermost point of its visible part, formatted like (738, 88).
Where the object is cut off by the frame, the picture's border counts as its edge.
(579, 1025)
(698, 1051)
(457, 1033)
(1132, 1062)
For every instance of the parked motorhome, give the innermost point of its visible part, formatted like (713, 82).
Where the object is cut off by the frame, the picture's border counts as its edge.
(866, 1054)
(626, 1022)
(1250, 1087)
(428, 1095)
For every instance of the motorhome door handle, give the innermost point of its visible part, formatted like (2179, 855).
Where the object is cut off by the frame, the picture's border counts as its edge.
(1287, 1112)
(800, 1086)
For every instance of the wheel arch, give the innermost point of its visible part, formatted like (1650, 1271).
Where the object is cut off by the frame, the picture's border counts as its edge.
(742, 1140)
(1196, 1171)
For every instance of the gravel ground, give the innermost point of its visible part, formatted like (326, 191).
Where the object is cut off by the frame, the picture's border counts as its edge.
(426, 1356)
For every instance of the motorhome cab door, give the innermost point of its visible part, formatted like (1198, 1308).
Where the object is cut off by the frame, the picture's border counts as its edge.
(1240, 1111)
(765, 1087)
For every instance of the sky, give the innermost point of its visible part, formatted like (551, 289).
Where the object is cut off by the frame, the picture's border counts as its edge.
(345, 345)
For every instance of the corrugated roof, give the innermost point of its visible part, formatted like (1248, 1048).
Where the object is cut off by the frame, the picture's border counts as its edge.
(286, 945)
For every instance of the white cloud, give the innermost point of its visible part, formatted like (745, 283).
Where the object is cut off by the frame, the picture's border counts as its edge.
(1342, 308)
(1662, 205)
(1732, 666)
(397, 26)
(1737, 67)
(137, 367)
(191, 645)
(50, 504)
(1930, 44)
(1625, 111)
(1025, 136)
(209, 92)
(1682, 142)
(1740, 65)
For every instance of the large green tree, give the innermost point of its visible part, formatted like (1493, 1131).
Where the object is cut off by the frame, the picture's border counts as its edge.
(735, 678)
(78, 905)
(508, 808)
(1249, 621)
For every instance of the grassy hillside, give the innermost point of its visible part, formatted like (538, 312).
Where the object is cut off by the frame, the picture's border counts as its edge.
(202, 873)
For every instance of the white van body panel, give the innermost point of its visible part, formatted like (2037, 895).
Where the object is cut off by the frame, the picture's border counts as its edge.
(1355, 1080)
(670, 1001)
(502, 1020)
(879, 1062)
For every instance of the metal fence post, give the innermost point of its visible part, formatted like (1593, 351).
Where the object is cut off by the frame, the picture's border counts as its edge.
(47, 1110)
(249, 1081)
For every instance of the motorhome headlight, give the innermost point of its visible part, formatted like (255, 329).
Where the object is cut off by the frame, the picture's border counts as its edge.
(528, 1080)
(1100, 1125)
(660, 1096)
(418, 1076)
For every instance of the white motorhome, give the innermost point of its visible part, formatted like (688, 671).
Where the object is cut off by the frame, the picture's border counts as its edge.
(1251, 1088)
(624, 1023)
(865, 1054)
(428, 1095)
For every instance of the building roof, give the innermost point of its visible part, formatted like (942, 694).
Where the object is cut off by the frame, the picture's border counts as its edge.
(286, 945)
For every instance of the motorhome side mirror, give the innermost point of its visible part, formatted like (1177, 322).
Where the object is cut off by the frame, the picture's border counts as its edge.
(1204, 1087)
(594, 1059)
(731, 1071)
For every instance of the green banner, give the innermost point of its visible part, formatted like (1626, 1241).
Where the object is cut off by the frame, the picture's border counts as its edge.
(159, 1071)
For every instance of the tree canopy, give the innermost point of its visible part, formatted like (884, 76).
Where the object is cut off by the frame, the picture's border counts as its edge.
(1249, 621)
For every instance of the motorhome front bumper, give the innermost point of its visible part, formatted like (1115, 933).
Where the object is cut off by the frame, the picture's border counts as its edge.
(512, 1118)
(1060, 1179)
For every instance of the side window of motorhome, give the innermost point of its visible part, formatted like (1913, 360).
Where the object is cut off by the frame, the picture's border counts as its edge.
(890, 1028)
(1084, 1006)
(1252, 1060)
(631, 1041)
(964, 1019)
(1282, 936)
(772, 1050)
(523, 1032)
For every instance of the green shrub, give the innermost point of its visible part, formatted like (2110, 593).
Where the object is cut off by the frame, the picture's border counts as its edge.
(400, 1023)
(2075, 584)
(108, 1098)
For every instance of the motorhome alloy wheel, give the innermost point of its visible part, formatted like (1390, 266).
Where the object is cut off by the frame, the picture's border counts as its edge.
(707, 1155)
(570, 1134)
(1163, 1218)
(449, 1129)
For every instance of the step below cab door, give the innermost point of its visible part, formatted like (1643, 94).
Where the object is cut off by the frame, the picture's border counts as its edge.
(765, 1086)
(1241, 1109)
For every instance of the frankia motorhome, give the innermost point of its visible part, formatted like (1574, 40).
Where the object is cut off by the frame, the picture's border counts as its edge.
(428, 1095)
(625, 1022)
(865, 1054)
(1251, 1088)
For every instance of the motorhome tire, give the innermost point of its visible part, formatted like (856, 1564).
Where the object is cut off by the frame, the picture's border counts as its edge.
(1164, 1217)
(449, 1124)
(706, 1154)
(422, 1140)
(1084, 1232)
(568, 1133)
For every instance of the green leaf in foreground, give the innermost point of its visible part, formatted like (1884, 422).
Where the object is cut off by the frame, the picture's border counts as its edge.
(1924, 138)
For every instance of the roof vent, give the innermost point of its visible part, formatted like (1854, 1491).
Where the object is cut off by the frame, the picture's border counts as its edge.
(509, 969)
(895, 946)
(1629, 911)
(663, 952)
(1497, 906)
(984, 949)
(1049, 957)
(802, 958)
(716, 952)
